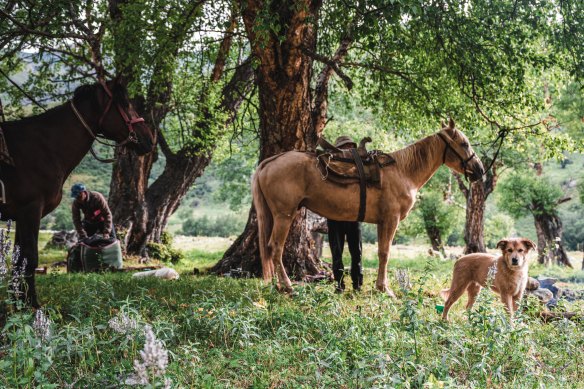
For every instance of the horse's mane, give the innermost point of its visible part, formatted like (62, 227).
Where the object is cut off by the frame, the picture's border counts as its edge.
(415, 155)
(84, 92)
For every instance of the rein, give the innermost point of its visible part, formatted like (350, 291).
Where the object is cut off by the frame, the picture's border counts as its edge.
(463, 161)
(132, 138)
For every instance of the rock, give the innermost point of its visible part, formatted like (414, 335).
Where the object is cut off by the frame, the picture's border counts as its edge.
(545, 282)
(532, 284)
(544, 295)
(62, 240)
(548, 283)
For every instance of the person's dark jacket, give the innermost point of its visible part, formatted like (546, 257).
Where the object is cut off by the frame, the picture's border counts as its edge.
(95, 210)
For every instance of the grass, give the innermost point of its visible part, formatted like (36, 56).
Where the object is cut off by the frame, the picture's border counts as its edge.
(230, 333)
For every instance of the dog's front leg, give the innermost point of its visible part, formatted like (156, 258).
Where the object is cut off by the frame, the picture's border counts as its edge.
(507, 300)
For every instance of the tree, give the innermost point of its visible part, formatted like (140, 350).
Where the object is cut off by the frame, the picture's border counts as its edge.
(412, 61)
(281, 34)
(521, 194)
(181, 79)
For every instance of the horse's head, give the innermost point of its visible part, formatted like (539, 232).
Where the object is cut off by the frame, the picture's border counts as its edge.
(120, 121)
(458, 154)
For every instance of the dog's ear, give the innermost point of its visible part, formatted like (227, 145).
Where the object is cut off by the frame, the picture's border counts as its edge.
(502, 244)
(529, 244)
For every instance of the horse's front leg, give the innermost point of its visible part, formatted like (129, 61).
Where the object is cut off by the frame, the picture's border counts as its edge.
(385, 234)
(26, 239)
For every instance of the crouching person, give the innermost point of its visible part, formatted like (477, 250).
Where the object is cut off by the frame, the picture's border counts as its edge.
(97, 217)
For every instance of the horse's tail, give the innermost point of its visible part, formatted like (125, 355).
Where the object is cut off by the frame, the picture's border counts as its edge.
(265, 224)
(445, 293)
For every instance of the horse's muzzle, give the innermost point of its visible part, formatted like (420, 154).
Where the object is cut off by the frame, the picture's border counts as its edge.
(477, 174)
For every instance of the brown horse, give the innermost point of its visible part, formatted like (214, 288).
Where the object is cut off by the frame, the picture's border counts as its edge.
(47, 147)
(285, 182)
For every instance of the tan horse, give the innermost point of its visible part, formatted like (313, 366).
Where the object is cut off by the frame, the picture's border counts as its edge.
(285, 182)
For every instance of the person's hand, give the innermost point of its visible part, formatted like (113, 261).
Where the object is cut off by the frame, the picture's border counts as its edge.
(106, 236)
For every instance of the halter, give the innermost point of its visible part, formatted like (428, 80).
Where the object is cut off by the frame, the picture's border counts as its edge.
(448, 140)
(132, 137)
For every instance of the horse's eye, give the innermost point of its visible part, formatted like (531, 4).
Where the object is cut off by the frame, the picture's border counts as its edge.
(464, 144)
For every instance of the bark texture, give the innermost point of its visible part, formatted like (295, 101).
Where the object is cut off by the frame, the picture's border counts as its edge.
(476, 195)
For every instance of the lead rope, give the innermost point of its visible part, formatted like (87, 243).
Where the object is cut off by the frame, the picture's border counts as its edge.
(86, 126)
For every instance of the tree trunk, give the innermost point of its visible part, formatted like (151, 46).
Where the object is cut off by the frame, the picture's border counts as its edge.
(285, 99)
(435, 239)
(476, 196)
(549, 240)
(475, 219)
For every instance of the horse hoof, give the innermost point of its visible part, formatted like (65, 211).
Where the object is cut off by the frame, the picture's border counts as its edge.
(390, 293)
(286, 290)
(387, 292)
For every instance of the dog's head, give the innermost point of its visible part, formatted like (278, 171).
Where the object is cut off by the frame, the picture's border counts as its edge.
(515, 251)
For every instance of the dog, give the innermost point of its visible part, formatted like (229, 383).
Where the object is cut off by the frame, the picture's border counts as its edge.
(510, 275)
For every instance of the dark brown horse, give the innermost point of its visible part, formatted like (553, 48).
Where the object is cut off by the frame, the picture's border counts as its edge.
(47, 147)
(285, 182)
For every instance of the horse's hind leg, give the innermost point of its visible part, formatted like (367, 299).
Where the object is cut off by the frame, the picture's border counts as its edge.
(276, 247)
(385, 233)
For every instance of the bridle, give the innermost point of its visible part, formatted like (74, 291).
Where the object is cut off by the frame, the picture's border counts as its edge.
(464, 162)
(132, 137)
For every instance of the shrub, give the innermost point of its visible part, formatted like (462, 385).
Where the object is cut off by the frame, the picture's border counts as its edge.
(164, 251)
(223, 226)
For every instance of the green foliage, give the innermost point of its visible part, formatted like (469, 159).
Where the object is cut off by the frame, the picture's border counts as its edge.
(581, 190)
(164, 251)
(223, 226)
(223, 332)
(497, 226)
(573, 222)
(523, 193)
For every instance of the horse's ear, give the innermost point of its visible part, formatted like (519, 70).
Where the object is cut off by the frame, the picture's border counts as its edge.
(451, 123)
(442, 124)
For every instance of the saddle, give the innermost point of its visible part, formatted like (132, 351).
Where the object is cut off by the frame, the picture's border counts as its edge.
(342, 166)
(352, 166)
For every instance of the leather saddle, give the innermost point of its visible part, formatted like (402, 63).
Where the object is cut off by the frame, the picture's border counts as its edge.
(352, 166)
(342, 166)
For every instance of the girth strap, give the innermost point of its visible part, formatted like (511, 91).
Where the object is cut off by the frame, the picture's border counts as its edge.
(362, 185)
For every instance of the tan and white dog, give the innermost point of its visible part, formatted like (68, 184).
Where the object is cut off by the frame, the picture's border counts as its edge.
(510, 275)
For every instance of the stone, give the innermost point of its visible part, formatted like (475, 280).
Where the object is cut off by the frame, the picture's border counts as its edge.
(532, 284)
(544, 295)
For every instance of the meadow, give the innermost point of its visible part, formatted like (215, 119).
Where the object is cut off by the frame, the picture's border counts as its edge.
(241, 333)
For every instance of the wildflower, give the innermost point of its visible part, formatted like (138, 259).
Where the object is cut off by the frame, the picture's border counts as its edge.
(154, 360)
(17, 273)
(123, 324)
(403, 279)
(42, 326)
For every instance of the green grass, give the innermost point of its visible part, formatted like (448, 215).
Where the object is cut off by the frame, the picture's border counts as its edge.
(230, 333)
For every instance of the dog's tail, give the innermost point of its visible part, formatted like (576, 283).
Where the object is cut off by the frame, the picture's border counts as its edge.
(265, 223)
(445, 293)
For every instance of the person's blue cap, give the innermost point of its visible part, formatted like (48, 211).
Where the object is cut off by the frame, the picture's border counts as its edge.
(76, 190)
